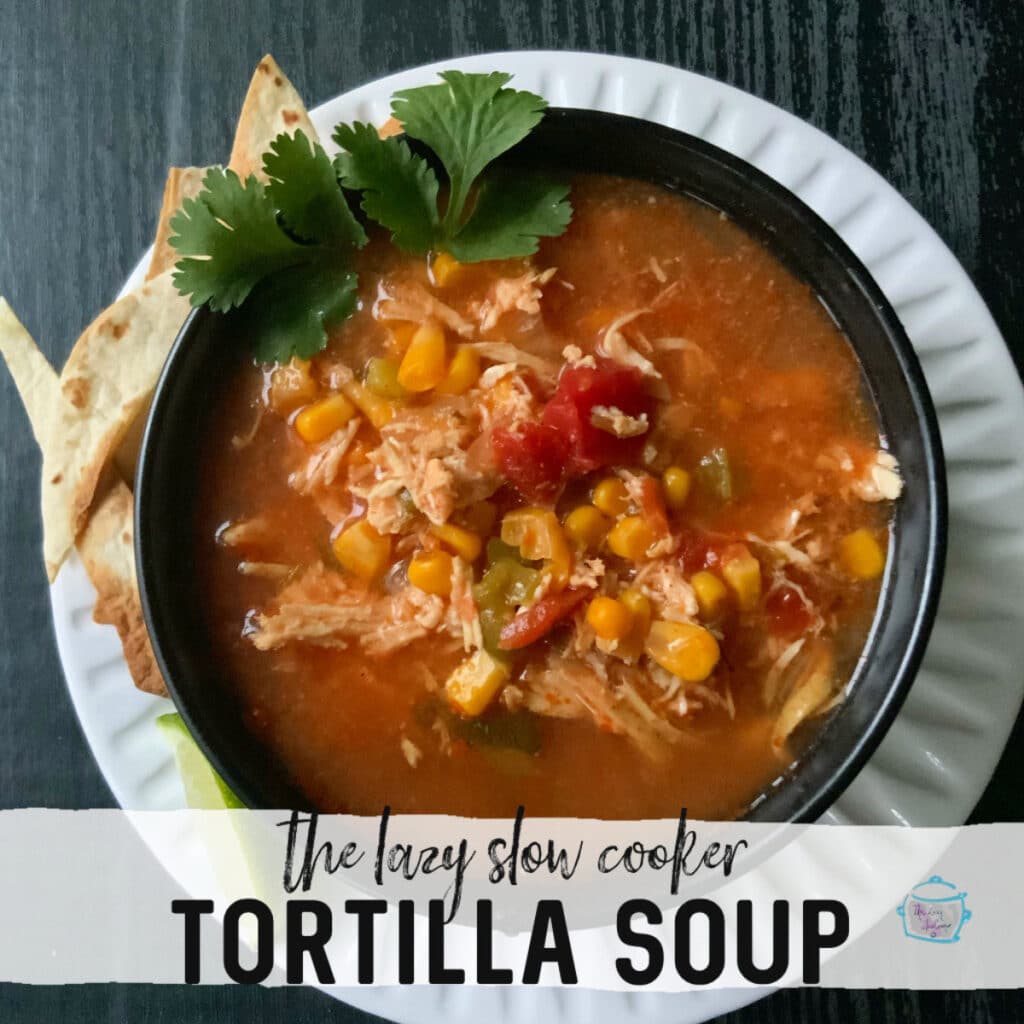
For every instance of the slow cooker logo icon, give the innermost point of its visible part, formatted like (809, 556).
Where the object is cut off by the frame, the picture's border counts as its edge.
(934, 911)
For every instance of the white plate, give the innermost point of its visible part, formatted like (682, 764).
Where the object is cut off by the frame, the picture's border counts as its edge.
(943, 747)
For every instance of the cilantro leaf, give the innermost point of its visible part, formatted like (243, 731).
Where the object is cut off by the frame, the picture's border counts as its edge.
(238, 250)
(291, 312)
(399, 187)
(468, 121)
(509, 217)
(230, 240)
(304, 189)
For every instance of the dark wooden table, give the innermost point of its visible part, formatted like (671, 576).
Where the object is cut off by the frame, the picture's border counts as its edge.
(99, 97)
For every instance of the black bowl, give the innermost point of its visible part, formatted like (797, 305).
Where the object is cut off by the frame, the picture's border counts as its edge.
(575, 141)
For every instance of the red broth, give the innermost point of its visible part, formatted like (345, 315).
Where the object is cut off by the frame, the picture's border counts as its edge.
(758, 400)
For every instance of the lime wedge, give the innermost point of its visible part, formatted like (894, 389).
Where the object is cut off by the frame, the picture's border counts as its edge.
(205, 790)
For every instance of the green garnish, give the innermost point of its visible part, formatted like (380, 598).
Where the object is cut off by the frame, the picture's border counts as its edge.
(715, 473)
(304, 189)
(399, 188)
(468, 121)
(283, 251)
(517, 731)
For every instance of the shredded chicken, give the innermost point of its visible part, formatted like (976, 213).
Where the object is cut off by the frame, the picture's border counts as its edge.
(574, 356)
(426, 456)
(807, 685)
(493, 374)
(880, 480)
(784, 551)
(416, 304)
(681, 698)
(411, 752)
(240, 441)
(566, 687)
(774, 675)
(545, 370)
(613, 344)
(587, 573)
(463, 606)
(254, 532)
(265, 570)
(513, 402)
(410, 614)
(337, 375)
(444, 737)
(507, 294)
(322, 609)
(612, 420)
(323, 464)
(663, 583)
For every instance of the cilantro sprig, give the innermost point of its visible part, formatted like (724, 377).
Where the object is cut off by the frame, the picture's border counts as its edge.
(281, 254)
(468, 121)
(283, 251)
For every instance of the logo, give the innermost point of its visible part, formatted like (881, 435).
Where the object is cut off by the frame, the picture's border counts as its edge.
(934, 911)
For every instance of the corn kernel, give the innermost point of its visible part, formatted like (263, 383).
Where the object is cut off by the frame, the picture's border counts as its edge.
(861, 555)
(463, 372)
(291, 386)
(711, 594)
(463, 542)
(638, 604)
(423, 365)
(609, 619)
(401, 334)
(538, 535)
(318, 421)
(743, 574)
(445, 269)
(586, 527)
(686, 650)
(431, 572)
(379, 411)
(611, 497)
(382, 378)
(676, 484)
(475, 683)
(363, 551)
(640, 610)
(630, 538)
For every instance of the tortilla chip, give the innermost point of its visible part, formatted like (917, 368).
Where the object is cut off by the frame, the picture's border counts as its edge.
(107, 383)
(126, 458)
(271, 106)
(107, 549)
(106, 544)
(392, 126)
(182, 183)
(36, 380)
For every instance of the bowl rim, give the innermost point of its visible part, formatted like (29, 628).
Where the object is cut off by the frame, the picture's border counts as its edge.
(823, 780)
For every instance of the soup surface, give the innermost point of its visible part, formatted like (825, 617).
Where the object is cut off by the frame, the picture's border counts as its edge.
(599, 532)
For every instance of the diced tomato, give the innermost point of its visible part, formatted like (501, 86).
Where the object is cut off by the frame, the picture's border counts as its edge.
(537, 458)
(532, 457)
(652, 506)
(539, 619)
(697, 550)
(787, 613)
(579, 389)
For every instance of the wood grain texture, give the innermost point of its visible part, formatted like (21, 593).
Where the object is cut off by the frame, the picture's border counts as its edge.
(98, 98)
